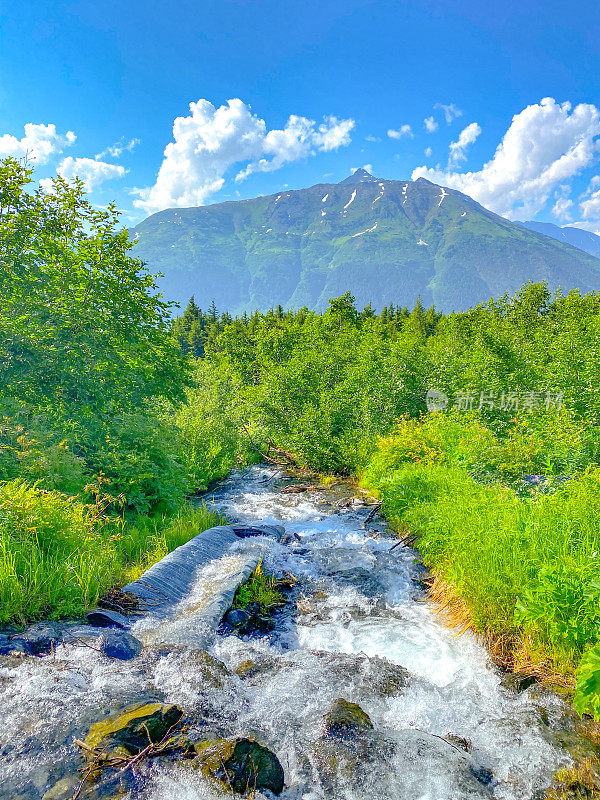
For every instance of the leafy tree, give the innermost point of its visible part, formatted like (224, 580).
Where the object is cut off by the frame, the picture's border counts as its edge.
(81, 323)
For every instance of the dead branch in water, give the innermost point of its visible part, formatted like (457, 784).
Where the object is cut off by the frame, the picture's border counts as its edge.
(100, 760)
(371, 514)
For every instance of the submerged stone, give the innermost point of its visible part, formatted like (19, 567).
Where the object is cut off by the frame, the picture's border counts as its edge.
(345, 718)
(236, 618)
(213, 672)
(136, 728)
(120, 644)
(37, 640)
(241, 765)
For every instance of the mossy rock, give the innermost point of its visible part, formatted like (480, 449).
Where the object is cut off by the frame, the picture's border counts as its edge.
(135, 729)
(115, 787)
(214, 672)
(345, 718)
(241, 765)
(247, 669)
(250, 668)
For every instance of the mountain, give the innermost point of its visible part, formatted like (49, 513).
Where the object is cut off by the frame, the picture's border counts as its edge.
(584, 240)
(385, 241)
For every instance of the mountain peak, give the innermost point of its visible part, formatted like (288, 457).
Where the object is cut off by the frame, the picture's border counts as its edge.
(359, 176)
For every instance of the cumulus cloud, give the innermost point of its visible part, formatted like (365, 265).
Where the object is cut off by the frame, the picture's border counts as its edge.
(562, 209)
(398, 133)
(590, 207)
(372, 138)
(430, 124)
(118, 148)
(458, 149)
(209, 141)
(428, 152)
(546, 145)
(39, 143)
(91, 171)
(451, 112)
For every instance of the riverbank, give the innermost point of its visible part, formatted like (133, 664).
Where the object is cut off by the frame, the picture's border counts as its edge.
(58, 555)
(516, 561)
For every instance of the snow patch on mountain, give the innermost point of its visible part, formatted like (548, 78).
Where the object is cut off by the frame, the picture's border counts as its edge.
(354, 235)
(351, 200)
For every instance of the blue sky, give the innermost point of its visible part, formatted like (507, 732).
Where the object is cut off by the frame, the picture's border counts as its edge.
(317, 88)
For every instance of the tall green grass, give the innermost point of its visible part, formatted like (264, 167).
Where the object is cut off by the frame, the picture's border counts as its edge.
(526, 563)
(58, 555)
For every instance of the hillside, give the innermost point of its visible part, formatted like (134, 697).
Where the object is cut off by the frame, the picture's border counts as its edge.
(386, 241)
(584, 240)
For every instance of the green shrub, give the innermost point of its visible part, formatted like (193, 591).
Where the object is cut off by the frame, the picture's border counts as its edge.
(140, 457)
(210, 426)
(587, 688)
(58, 555)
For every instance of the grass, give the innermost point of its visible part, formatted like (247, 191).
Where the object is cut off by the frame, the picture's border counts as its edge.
(260, 588)
(522, 570)
(57, 555)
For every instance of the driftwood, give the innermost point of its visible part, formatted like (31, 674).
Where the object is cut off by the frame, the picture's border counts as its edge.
(371, 514)
(100, 760)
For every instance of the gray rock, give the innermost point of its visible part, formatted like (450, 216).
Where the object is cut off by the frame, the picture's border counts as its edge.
(81, 633)
(236, 617)
(346, 719)
(119, 644)
(103, 618)
(38, 640)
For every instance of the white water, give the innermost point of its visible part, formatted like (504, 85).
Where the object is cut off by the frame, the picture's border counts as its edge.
(358, 613)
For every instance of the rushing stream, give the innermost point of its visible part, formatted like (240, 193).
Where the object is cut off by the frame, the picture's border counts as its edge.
(357, 615)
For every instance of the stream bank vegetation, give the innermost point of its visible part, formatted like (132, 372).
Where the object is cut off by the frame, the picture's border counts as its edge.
(499, 491)
(112, 413)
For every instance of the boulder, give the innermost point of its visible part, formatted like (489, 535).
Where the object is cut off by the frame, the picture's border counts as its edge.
(346, 719)
(213, 672)
(136, 728)
(104, 618)
(367, 674)
(81, 634)
(38, 640)
(241, 765)
(119, 644)
(236, 618)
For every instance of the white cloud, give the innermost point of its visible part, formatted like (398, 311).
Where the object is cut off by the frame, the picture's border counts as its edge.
(91, 171)
(430, 124)
(333, 133)
(547, 144)
(590, 207)
(403, 130)
(118, 148)
(39, 143)
(451, 112)
(372, 138)
(562, 209)
(466, 137)
(428, 152)
(209, 141)
(592, 226)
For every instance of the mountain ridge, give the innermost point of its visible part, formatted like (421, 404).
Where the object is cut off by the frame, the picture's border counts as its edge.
(386, 241)
(577, 237)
